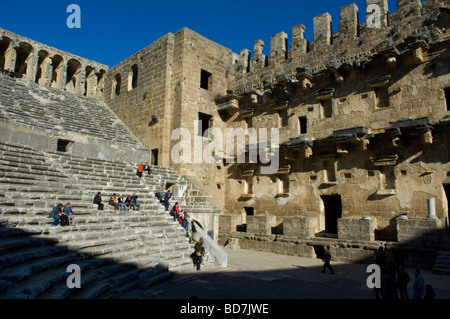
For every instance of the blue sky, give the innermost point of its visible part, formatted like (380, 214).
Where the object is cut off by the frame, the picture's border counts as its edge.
(111, 31)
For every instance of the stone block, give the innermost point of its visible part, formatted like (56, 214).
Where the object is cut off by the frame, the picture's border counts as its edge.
(260, 224)
(357, 229)
(303, 227)
(417, 229)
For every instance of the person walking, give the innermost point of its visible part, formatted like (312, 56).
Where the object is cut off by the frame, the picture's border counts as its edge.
(199, 253)
(327, 259)
(419, 285)
(403, 280)
(167, 197)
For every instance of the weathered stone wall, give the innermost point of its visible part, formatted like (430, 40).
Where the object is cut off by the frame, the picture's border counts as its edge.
(146, 106)
(353, 90)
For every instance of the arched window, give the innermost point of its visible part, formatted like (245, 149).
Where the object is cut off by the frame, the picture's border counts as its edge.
(117, 84)
(4, 45)
(133, 77)
(73, 72)
(23, 53)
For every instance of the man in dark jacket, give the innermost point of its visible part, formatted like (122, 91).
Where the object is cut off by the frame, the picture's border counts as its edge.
(326, 259)
(98, 200)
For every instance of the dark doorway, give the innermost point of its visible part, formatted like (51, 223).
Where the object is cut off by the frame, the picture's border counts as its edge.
(333, 211)
(249, 211)
(155, 157)
(63, 145)
(447, 194)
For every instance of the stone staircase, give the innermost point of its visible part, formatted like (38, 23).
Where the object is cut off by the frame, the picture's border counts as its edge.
(442, 263)
(114, 249)
(26, 105)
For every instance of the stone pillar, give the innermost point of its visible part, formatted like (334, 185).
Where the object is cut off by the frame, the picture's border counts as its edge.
(10, 57)
(322, 29)
(244, 60)
(32, 65)
(258, 59)
(348, 28)
(299, 44)
(278, 46)
(46, 69)
(382, 6)
(431, 209)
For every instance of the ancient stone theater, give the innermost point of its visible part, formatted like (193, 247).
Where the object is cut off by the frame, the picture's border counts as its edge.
(341, 141)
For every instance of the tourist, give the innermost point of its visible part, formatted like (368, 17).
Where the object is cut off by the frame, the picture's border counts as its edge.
(193, 232)
(140, 170)
(402, 282)
(429, 292)
(98, 201)
(113, 202)
(134, 199)
(167, 197)
(199, 253)
(55, 213)
(175, 211)
(326, 259)
(69, 212)
(121, 203)
(186, 221)
(147, 168)
(129, 202)
(419, 285)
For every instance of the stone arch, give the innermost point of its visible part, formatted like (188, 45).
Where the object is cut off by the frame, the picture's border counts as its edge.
(100, 82)
(73, 75)
(23, 59)
(57, 65)
(4, 45)
(117, 84)
(133, 77)
(42, 68)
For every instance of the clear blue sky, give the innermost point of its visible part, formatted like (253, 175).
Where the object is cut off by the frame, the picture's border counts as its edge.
(113, 30)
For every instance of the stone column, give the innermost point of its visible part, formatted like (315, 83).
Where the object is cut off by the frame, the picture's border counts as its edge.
(431, 209)
(322, 29)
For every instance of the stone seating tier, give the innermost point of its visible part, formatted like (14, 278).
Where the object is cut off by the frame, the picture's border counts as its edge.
(112, 247)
